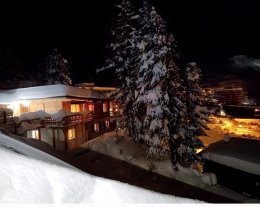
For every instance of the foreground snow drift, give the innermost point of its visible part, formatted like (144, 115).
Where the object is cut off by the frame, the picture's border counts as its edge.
(26, 180)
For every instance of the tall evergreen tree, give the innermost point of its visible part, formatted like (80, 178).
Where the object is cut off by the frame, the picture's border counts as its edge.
(158, 84)
(55, 69)
(124, 55)
(197, 115)
(152, 91)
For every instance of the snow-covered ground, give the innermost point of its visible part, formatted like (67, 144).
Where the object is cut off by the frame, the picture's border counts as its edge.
(238, 153)
(126, 149)
(24, 179)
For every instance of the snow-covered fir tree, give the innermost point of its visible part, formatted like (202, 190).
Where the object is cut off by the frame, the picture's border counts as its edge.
(55, 69)
(124, 58)
(197, 115)
(152, 91)
(158, 85)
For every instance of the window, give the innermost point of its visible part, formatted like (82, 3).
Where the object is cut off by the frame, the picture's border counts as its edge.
(74, 108)
(24, 108)
(107, 124)
(96, 127)
(91, 107)
(105, 107)
(35, 134)
(71, 133)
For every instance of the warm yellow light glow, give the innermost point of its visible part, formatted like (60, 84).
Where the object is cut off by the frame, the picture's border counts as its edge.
(71, 133)
(240, 125)
(74, 108)
(228, 124)
(222, 113)
(198, 150)
(91, 107)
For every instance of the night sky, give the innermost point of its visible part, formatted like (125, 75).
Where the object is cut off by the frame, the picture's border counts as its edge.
(207, 32)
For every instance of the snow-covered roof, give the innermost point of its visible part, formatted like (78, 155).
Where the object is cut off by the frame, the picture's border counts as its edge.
(238, 153)
(48, 91)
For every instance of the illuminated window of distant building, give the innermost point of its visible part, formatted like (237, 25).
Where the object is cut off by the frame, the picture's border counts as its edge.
(71, 133)
(107, 124)
(91, 107)
(105, 107)
(74, 108)
(96, 127)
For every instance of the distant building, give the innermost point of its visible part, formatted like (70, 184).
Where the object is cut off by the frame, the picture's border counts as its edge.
(85, 112)
(225, 96)
(230, 96)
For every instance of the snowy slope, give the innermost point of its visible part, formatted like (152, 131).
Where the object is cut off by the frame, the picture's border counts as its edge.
(27, 180)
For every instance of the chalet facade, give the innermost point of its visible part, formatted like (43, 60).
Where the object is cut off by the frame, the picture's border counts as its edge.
(62, 116)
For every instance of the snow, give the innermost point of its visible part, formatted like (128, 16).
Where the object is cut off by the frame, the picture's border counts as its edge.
(242, 154)
(27, 180)
(58, 116)
(128, 150)
(47, 91)
(7, 110)
(209, 178)
(25, 126)
(33, 115)
(29, 151)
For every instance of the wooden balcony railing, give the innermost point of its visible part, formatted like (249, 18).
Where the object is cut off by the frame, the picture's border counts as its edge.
(6, 118)
(68, 120)
(114, 113)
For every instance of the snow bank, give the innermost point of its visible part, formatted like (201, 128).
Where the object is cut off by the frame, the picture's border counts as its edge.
(26, 180)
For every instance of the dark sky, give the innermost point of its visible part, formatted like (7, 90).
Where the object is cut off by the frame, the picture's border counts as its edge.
(208, 32)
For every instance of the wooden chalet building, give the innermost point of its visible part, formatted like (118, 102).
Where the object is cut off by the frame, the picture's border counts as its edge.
(60, 115)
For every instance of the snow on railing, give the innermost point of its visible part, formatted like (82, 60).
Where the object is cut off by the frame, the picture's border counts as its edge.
(68, 120)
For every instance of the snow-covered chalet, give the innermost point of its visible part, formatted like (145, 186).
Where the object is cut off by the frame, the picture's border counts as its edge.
(60, 115)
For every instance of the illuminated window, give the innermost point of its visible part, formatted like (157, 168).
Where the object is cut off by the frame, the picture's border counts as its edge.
(105, 107)
(71, 133)
(91, 107)
(107, 124)
(74, 108)
(24, 108)
(96, 127)
(35, 134)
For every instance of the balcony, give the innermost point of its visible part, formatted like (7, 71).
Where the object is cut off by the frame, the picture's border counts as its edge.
(68, 120)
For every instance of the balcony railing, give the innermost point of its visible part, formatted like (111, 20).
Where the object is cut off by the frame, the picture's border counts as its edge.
(6, 118)
(68, 120)
(114, 113)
